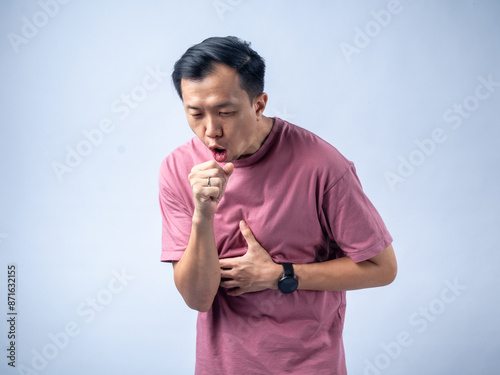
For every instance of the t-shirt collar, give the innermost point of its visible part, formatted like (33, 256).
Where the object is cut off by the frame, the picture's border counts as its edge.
(266, 146)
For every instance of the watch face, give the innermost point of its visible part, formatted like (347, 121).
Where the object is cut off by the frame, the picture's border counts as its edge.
(288, 284)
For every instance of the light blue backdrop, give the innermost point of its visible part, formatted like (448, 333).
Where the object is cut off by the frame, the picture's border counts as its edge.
(408, 90)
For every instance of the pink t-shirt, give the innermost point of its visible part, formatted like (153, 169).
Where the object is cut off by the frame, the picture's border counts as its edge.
(304, 203)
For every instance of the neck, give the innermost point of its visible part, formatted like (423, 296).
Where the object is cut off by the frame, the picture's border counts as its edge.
(264, 127)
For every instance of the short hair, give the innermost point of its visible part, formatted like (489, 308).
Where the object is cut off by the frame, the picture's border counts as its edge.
(200, 60)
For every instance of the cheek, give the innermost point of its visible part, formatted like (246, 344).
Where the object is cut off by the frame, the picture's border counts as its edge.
(195, 128)
(239, 131)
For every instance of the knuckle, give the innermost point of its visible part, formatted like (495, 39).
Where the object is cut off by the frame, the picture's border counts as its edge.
(197, 168)
(221, 173)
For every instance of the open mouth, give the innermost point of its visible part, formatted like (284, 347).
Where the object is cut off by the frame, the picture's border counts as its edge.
(220, 154)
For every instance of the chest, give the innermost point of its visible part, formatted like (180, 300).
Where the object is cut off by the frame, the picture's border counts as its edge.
(282, 209)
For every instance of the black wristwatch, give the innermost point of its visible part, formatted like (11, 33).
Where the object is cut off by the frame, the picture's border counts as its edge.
(288, 283)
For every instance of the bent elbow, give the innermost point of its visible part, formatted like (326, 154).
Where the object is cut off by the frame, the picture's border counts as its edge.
(390, 274)
(200, 306)
(392, 277)
(388, 267)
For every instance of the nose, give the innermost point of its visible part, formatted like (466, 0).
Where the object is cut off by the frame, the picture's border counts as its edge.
(213, 129)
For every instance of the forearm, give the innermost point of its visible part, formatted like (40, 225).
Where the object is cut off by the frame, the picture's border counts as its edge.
(197, 273)
(345, 274)
(256, 271)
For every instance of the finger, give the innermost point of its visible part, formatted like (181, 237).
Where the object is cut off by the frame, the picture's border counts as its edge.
(226, 263)
(211, 164)
(234, 292)
(205, 193)
(222, 173)
(217, 178)
(247, 232)
(228, 284)
(212, 173)
(226, 273)
(214, 181)
(201, 177)
(228, 169)
(212, 168)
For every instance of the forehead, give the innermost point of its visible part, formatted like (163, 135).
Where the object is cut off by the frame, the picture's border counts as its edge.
(223, 84)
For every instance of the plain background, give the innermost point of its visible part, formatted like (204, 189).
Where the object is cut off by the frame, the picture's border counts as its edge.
(416, 73)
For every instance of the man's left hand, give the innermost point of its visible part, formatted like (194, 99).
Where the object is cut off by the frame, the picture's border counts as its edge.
(252, 272)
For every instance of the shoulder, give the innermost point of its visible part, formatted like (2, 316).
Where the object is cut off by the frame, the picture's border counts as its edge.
(309, 141)
(313, 152)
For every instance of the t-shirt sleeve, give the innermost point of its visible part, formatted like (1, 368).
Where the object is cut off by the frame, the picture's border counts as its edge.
(176, 215)
(351, 219)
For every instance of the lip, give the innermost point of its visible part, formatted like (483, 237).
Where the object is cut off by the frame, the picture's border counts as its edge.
(214, 148)
(219, 153)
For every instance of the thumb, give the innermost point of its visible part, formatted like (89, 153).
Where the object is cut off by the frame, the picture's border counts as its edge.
(246, 232)
(228, 169)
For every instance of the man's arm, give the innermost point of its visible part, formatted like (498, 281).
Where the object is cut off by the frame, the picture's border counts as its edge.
(344, 274)
(256, 271)
(197, 274)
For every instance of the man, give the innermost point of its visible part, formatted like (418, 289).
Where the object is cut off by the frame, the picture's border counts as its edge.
(265, 223)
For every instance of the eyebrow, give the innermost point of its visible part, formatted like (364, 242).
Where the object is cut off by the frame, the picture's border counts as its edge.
(220, 105)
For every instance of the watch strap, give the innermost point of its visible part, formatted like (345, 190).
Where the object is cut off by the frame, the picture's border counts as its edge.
(288, 269)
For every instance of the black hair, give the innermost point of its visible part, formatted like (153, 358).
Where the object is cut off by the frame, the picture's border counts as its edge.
(199, 61)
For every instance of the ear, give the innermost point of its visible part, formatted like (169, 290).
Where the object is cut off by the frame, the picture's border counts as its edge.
(259, 104)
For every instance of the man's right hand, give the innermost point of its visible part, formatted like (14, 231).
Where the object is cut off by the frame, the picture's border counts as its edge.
(197, 273)
(207, 197)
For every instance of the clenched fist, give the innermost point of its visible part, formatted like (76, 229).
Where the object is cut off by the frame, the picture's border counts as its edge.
(208, 183)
